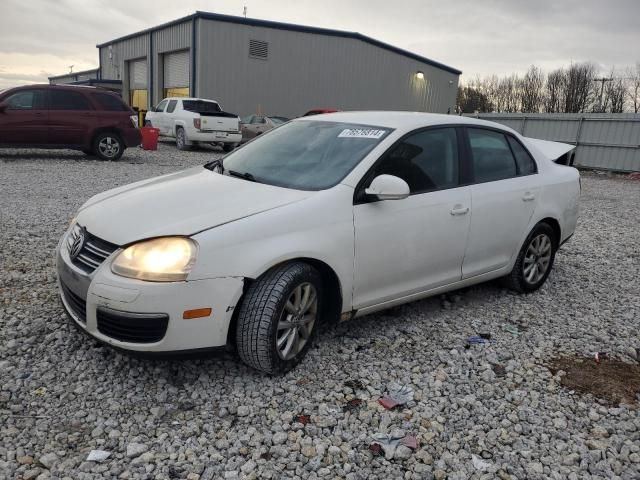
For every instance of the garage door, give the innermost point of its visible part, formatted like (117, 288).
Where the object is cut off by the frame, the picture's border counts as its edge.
(138, 74)
(176, 74)
(138, 83)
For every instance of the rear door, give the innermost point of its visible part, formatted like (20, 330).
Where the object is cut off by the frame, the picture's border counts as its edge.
(504, 197)
(71, 116)
(25, 118)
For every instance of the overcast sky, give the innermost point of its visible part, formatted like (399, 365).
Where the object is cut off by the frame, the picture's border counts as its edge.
(39, 38)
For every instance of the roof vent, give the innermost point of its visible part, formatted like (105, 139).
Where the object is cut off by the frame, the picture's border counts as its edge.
(258, 49)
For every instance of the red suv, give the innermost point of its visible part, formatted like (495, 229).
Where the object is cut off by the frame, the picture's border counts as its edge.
(89, 119)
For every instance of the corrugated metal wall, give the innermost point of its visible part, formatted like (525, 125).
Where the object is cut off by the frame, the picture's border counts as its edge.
(170, 39)
(114, 59)
(604, 141)
(302, 71)
(74, 77)
(308, 70)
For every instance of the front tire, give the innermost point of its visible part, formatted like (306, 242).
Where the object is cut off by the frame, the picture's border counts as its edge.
(278, 318)
(181, 139)
(108, 146)
(534, 261)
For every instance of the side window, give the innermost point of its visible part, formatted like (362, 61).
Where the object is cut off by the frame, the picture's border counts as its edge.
(110, 103)
(492, 157)
(161, 105)
(427, 160)
(68, 100)
(172, 106)
(27, 100)
(526, 164)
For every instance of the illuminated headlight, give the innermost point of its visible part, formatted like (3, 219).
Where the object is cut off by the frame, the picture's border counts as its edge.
(167, 259)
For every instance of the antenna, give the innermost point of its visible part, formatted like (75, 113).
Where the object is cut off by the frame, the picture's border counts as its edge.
(71, 68)
(244, 11)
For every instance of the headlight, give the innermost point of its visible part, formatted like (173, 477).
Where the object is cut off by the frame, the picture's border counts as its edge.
(167, 259)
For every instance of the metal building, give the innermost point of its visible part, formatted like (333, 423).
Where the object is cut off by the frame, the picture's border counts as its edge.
(273, 68)
(86, 77)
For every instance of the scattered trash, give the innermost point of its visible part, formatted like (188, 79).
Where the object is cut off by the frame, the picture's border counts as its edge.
(410, 441)
(40, 391)
(511, 328)
(98, 455)
(634, 176)
(498, 369)
(479, 464)
(352, 404)
(486, 336)
(388, 442)
(599, 356)
(477, 340)
(303, 419)
(354, 384)
(376, 448)
(398, 395)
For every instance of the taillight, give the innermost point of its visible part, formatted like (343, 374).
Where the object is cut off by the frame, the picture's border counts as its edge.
(196, 123)
(134, 120)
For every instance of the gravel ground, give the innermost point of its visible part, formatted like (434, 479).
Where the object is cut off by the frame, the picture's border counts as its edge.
(62, 395)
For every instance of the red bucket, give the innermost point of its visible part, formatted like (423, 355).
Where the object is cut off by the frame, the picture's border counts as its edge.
(150, 138)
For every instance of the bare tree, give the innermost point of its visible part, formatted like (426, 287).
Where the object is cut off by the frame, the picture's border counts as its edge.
(531, 90)
(634, 87)
(615, 94)
(578, 87)
(555, 91)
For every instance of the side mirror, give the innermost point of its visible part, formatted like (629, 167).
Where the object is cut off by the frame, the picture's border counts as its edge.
(388, 187)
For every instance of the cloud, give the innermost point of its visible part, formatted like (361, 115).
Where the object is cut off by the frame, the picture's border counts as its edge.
(478, 37)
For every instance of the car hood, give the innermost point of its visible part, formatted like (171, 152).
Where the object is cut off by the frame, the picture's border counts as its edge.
(182, 203)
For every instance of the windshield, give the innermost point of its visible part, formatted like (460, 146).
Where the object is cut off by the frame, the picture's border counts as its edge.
(200, 106)
(305, 155)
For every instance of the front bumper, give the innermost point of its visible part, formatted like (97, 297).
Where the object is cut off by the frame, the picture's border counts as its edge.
(146, 316)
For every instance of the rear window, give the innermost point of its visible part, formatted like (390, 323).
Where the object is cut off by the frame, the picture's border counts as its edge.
(200, 106)
(172, 106)
(68, 100)
(110, 102)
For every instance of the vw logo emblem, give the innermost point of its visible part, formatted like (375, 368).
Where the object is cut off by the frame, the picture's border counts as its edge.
(77, 244)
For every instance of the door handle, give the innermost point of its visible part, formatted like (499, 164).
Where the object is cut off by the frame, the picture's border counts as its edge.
(459, 210)
(528, 196)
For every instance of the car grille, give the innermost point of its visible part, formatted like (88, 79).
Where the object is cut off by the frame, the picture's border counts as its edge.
(132, 327)
(76, 303)
(94, 251)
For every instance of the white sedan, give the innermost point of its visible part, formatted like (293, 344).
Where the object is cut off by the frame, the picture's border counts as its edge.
(325, 218)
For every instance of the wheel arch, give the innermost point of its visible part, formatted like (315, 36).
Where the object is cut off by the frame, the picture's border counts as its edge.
(331, 285)
(555, 225)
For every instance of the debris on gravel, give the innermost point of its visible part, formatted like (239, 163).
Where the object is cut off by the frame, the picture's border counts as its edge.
(493, 410)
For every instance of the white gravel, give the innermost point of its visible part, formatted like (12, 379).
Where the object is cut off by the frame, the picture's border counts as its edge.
(62, 395)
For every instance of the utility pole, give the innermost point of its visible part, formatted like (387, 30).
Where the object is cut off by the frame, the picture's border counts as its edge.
(71, 68)
(244, 11)
(602, 80)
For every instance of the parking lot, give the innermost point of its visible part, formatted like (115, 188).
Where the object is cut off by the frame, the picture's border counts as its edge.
(490, 410)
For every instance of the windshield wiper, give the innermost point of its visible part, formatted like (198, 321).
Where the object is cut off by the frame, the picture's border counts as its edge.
(215, 166)
(245, 175)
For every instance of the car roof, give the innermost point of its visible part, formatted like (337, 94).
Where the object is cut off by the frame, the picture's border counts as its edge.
(400, 120)
(190, 98)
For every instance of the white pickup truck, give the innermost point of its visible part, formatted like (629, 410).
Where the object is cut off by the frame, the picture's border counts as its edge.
(195, 120)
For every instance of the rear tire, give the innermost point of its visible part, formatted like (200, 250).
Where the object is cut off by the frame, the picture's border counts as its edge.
(108, 146)
(181, 139)
(278, 317)
(534, 261)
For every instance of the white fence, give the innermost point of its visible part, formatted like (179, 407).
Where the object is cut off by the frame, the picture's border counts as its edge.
(603, 141)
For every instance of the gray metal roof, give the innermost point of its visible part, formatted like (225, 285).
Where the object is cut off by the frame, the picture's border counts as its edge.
(71, 74)
(290, 27)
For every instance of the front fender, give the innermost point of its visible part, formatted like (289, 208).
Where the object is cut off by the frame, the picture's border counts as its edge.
(319, 228)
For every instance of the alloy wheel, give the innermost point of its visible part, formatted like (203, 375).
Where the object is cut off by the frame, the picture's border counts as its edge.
(109, 147)
(537, 258)
(296, 321)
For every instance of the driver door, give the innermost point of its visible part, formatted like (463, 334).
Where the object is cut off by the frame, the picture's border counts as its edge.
(404, 247)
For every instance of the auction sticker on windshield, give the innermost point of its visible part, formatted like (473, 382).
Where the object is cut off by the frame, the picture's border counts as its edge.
(361, 133)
